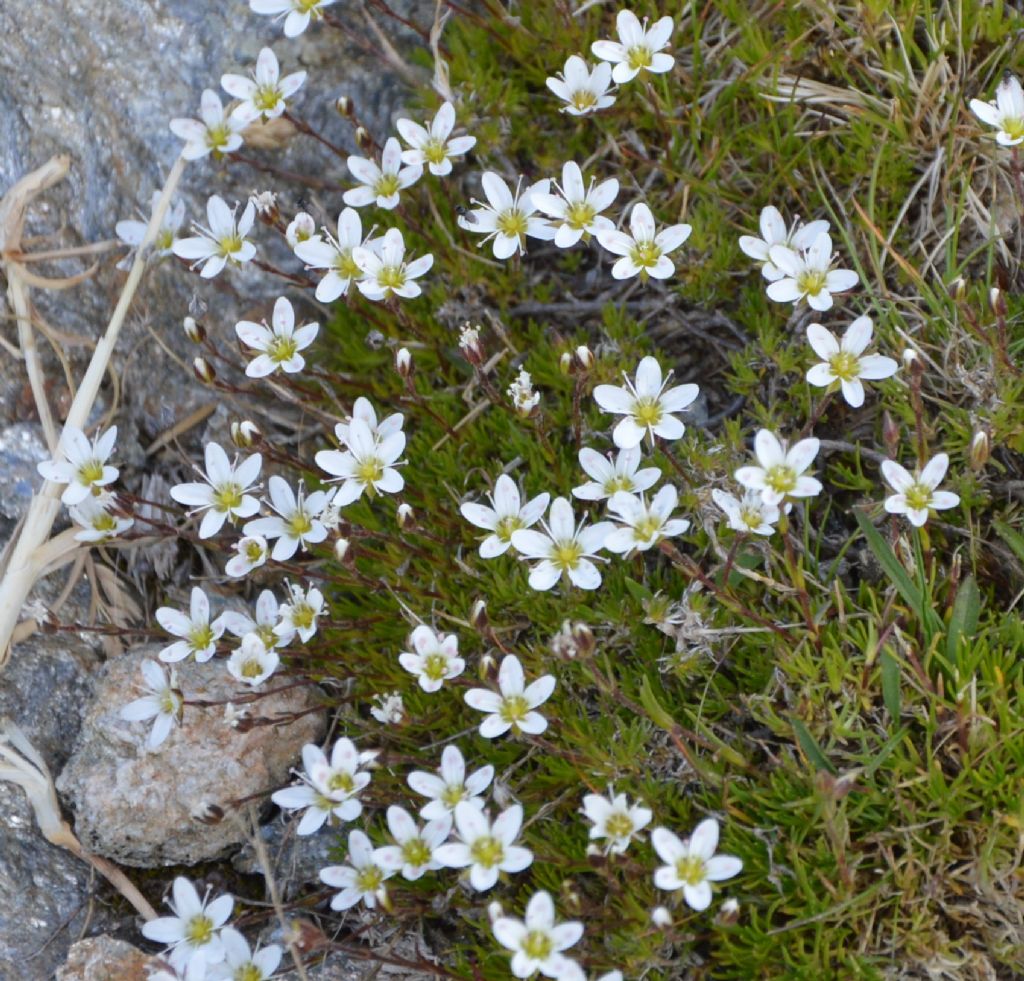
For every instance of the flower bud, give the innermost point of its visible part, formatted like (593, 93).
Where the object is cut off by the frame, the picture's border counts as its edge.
(469, 343)
(584, 638)
(245, 433)
(998, 301)
(487, 666)
(958, 289)
(478, 615)
(204, 370)
(728, 913)
(494, 910)
(403, 362)
(584, 357)
(193, 330)
(406, 517)
(301, 229)
(661, 917)
(912, 361)
(890, 434)
(565, 363)
(343, 105)
(363, 139)
(980, 449)
(341, 547)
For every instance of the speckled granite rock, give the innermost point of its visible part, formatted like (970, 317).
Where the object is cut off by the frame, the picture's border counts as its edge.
(104, 958)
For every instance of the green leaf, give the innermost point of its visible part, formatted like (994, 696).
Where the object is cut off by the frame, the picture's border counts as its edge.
(890, 683)
(638, 591)
(1012, 537)
(657, 714)
(963, 621)
(810, 747)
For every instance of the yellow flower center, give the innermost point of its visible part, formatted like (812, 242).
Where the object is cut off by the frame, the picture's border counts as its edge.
(638, 56)
(566, 555)
(691, 870)
(168, 702)
(391, 277)
(105, 523)
(487, 851)
(248, 972)
(299, 524)
(434, 150)
(583, 99)
(647, 529)
(199, 930)
(416, 852)
(370, 471)
(303, 616)
(452, 794)
(346, 265)
(253, 551)
(579, 214)
(781, 478)
(218, 136)
(512, 223)
(845, 366)
(506, 526)
(266, 97)
(90, 471)
(645, 254)
(266, 634)
(751, 517)
(647, 412)
(918, 496)
(282, 349)
(227, 497)
(513, 709)
(435, 666)
(230, 244)
(164, 240)
(811, 282)
(386, 185)
(1013, 127)
(252, 668)
(537, 945)
(618, 483)
(200, 637)
(619, 825)
(342, 781)
(369, 879)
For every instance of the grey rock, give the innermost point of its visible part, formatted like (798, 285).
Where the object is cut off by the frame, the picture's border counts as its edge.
(139, 806)
(295, 860)
(21, 449)
(105, 958)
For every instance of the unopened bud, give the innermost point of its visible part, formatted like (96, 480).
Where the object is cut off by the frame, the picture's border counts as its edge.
(487, 666)
(478, 615)
(584, 639)
(301, 229)
(958, 289)
(912, 360)
(363, 140)
(998, 301)
(661, 917)
(494, 910)
(204, 370)
(244, 433)
(469, 343)
(343, 105)
(565, 363)
(403, 362)
(584, 357)
(728, 913)
(193, 331)
(341, 547)
(890, 434)
(406, 517)
(981, 447)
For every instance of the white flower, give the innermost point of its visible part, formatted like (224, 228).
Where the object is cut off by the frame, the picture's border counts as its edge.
(97, 523)
(507, 218)
(563, 548)
(363, 409)
(521, 392)
(198, 635)
(643, 524)
(514, 707)
(80, 464)
(214, 132)
(240, 963)
(638, 49)
(385, 271)
(431, 146)
(222, 242)
(328, 790)
(297, 522)
(485, 848)
(750, 514)
(1006, 113)
(252, 663)
(614, 818)
(132, 232)
(648, 409)
(808, 274)
(450, 786)
(194, 930)
(251, 552)
(389, 709)
(362, 879)
(645, 250)
(279, 345)
(774, 232)
(224, 495)
(916, 494)
(845, 362)
(577, 206)
(297, 13)
(414, 848)
(263, 626)
(162, 703)
(367, 464)
(335, 255)
(265, 95)
(780, 468)
(538, 941)
(609, 478)
(302, 228)
(583, 89)
(506, 515)
(381, 183)
(300, 615)
(693, 865)
(436, 658)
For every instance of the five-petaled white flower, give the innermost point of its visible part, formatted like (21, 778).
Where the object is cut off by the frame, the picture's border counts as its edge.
(615, 819)
(450, 786)
(779, 473)
(508, 218)
(194, 930)
(252, 663)
(266, 94)
(639, 48)
(563, 548)
(301, 614)
(808, 274)
(250, 553)
(436, 658)
(749, 514)
(537, 941)
(328, 790)
(297, 13)
(81, 465)
(844, 361)
(362, 879)
(162, 703)
(198, 634)
(279, 344)
(433, 145)
(485, 847)
(583, 89)
(609, 477)
(297, 521)
(96, 522)
(385, 271)
(644, 250)
(224, 495)
(693, 865)
(335, 255)
(132, 232)
(302, 228)
(512, 707)
(916, 493)
(222, 242)
(241, 963)
(798, 237)
(381, 183)
(577, 207)
(507, 515)
(647, 407)
(214, 132)
(368, 464)
(1006, 113)
(363, 409)
(414, 850)
(644, 524)
(263, 627)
